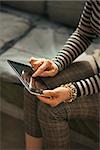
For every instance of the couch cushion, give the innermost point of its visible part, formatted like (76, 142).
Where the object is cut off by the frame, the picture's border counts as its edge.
(1, 43)
(6, 72)
(42, 41)
(67, 12)
(45, 40)
(12, 98)
(29, 6)
(12, 27)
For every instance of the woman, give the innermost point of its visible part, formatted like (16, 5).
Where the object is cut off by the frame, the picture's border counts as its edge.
(47, 120)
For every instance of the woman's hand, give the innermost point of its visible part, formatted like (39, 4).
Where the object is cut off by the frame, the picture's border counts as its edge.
(56, 96)
(44, 67)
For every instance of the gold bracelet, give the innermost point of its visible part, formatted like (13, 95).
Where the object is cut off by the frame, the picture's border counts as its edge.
(73, 91)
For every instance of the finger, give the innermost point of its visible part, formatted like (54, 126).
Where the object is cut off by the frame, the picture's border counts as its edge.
(36, 64)
(47, 73)
(32, 60)
(51, 101)
(40, 70)
(46, 100)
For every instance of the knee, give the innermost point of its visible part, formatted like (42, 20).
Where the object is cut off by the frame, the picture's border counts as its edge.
(48, 113)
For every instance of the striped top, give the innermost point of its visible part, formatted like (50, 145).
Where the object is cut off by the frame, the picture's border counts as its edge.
(87, 30)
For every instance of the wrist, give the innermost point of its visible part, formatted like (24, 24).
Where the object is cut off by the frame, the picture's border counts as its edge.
(59, 66)
(72, 92)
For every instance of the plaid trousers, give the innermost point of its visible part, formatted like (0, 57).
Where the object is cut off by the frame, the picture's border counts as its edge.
(53, 123)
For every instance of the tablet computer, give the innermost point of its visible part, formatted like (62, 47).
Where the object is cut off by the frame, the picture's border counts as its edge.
(24, 73)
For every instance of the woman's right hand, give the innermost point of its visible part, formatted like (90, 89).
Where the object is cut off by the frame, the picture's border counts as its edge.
(43, 67)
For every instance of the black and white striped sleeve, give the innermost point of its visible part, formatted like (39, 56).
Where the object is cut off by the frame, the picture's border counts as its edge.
(87, 30)
(88, 86)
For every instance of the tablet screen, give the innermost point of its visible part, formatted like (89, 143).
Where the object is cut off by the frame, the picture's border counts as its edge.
(24, 73)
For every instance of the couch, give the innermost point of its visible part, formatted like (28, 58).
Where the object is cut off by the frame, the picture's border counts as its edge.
(39, 29)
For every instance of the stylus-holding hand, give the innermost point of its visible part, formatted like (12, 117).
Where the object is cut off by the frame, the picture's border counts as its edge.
(43, 67)
(56, 96)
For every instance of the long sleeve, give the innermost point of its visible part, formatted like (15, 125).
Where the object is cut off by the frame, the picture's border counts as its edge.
(88, 86)
(87, 30)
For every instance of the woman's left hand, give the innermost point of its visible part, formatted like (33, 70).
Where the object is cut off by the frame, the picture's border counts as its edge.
(55, 96)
